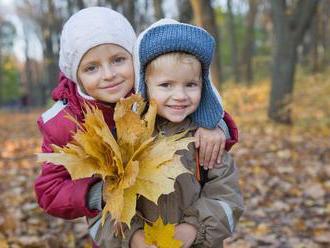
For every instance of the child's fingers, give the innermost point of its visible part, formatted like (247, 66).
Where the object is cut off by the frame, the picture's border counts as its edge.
(197, 139)
(221, 151)
(202, 149)
(207, 155)
(214, 156)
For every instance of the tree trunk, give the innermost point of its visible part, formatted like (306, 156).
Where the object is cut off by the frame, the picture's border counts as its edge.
(159, 13)
(28, 73)
(283, 75)
(247, 64)
(233, 42)
(185, 11)
(315, 44)
(129, 12)
(1, 71)
(289, 30)
(114, 4)
(81, 4)
(51, 26)
(70, 7)
(204, 16)
(325, 32)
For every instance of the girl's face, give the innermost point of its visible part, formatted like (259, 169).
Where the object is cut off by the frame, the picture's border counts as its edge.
(106, 72)
(176, 88)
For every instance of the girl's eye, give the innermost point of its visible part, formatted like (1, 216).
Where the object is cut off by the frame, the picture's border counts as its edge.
(119, 60)
(90, 68)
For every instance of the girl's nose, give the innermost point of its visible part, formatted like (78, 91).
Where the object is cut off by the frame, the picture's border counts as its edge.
(108, 73)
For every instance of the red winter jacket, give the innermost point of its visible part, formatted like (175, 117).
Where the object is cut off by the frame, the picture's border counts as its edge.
(56, 192)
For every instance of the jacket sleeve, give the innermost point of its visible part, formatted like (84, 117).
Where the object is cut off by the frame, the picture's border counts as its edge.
(217, 211)
(233, 131)
(56, 192)
(104, 235)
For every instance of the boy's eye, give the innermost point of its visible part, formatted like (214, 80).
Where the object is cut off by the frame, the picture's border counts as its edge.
(192, 84)
(165, 85)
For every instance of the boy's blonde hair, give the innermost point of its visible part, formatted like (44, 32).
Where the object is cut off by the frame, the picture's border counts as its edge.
(170, 58)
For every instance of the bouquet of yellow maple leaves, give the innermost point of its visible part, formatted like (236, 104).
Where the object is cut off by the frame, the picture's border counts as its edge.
(135, 164)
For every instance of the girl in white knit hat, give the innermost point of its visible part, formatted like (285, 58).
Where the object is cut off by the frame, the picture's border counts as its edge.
(96, 67)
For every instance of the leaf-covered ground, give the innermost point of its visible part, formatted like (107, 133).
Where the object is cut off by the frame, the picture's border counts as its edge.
(285, 174)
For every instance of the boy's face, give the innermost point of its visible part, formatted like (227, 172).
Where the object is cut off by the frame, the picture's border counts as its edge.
(176, 88)
(106, 72)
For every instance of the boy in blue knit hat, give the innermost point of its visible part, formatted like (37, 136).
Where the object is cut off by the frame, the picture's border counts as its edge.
(172, 63)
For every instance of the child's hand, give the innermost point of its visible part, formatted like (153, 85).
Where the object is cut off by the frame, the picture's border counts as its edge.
(211, 144)
(186, 233)
(137, 241)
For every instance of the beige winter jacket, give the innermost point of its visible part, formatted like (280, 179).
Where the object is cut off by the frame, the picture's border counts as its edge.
(214, 209)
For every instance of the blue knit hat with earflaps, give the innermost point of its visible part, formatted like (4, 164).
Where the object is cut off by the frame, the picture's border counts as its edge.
(167, 36)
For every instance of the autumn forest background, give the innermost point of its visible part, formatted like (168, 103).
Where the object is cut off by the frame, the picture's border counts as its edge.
(272, 68)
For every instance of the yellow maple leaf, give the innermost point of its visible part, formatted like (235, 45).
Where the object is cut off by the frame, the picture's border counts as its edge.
(161, 235)
(136, 164)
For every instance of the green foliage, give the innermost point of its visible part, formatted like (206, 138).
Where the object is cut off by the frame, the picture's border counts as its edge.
(10, 85)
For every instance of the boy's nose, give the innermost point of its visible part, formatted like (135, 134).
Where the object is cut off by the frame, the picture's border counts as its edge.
(179, 94)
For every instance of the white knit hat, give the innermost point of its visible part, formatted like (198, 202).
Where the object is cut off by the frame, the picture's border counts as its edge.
(88, 28)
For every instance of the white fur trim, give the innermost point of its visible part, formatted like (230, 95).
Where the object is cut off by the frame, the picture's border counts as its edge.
(229, 214)
(83, 95)
(53, 111)
(216, 93)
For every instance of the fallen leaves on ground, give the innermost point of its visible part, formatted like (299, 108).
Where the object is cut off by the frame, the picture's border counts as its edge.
(285, 174)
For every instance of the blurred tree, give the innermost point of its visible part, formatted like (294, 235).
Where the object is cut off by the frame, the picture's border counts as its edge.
(249, 43)
(204, 16)
(129, 12)
(70, 8)
(10, 85)
(7, 35)
(315, 30)
(325, 32)
(159, 13)
(28, 72)
(81, 4)
(48, 17)
(233, 42)
(291, 20)
(185, 11)
(114, 4)
(127, 8)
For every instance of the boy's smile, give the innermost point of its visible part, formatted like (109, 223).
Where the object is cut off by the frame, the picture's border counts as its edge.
(176, 88)
(106, 73)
